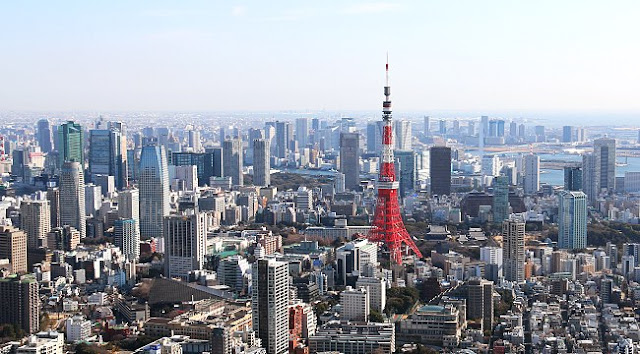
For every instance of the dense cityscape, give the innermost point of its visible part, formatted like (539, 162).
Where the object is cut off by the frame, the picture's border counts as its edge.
(334, 177)
(321, 234)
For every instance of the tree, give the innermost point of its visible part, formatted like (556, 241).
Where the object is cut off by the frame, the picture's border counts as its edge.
(375, 316)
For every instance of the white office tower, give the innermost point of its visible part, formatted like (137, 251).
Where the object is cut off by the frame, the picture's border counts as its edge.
(302, 132)
(491, 165)
(194, 141)
(261, 162)
(493, 256)
(355, 304)
(72, 209)
(403, 135)
(127, 238)
(183, 178)
(129, 206)
(185, 243)
(93, 199)
(531, 174)
(513, 256)
(35, 220)
(77, 328)
(304, 199)
(153, 182)
(270, 304)
(572, 220)
(377, 289)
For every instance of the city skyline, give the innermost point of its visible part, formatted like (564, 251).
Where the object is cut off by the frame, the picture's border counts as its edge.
(548, 57)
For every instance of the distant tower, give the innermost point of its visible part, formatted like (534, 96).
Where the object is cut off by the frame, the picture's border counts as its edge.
(513, 255)
(302, 132)
(388, 227)
(35, 220)
(531, 174)
(261, 162)
(71, 143)
(72, 200)
(349, 156)
(232, 160)
(440, 170)
(154, 190)
(44, 135)
(500, 199)
(572, 220)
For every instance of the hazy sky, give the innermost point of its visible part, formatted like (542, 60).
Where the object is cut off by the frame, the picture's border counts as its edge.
(298, 55)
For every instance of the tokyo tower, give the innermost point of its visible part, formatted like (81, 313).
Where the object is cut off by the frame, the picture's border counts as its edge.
(388, 227)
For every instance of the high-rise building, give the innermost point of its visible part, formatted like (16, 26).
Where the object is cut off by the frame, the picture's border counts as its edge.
(403, 135)
(490, 165)
(513, 255)
(302, 132)
(442, 127)
(44, 135)
(92, 199)
(513, 129)
(605, 154)
(261, 162)
(270, 304)
(106, 155)
(572, 220)
(284, 135)
(531, 174)
(355, 304)
(206, 163)
(374, 136)
(72, 200)
(65, 238)
(426, 128)
(185, 243)
(350, 159)
(21, 302)
(480, 301)
(53, 196)
(500, 199)
(407, 171)
(13, 246)
(377, 290)
(540, 133)
(127, 238)
(589, 178)
(221, 340)
(232, 160)
(193, 140)
(71, 143)
(153, 184)
(567, 134)
(129, 207)
(440, 170)
(572, 178)
(35, 220)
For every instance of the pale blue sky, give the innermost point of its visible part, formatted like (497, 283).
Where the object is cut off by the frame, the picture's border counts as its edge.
(298, 55)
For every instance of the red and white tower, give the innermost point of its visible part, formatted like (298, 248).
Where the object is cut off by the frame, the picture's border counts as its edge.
(388, 227)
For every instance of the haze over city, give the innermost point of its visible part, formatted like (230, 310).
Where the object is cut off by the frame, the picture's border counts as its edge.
(544, 58)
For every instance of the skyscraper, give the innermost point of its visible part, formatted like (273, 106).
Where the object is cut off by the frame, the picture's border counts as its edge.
(71, 143)
(72, 200)
(374, 136)
(440, 170)
(206, 163)
(572, 220)
(44, 135)
(407, 172)
(567, 134)
(154, 190)
(127, 238)
(129, 207)
(605, 152)
(283, 138)
(106, 156)
(350, 159)
(185, 243)
(13, 246)
(302, 132)
(427, 125)
(65, 238)
(53, 196)
(21, 302)
(232, 160)
(35, 220)
(270, 304)
(589, 177)
(531, 174)
(500, 199)
(403, 135)
(261, 162)
(572, 178)
(513, 256)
